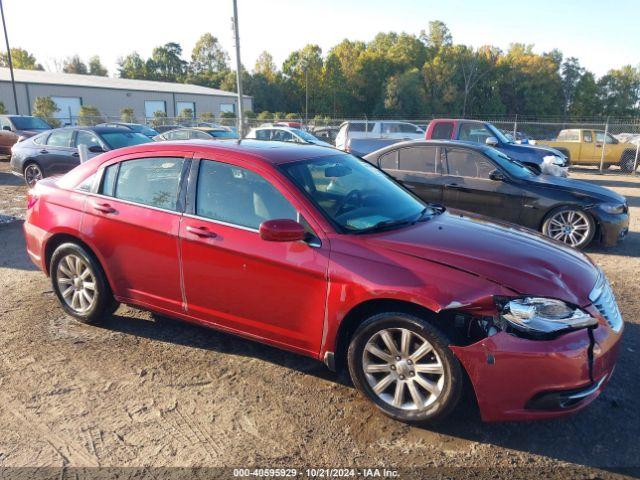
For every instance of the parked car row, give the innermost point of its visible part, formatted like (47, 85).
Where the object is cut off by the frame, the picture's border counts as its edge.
(316, 251)
(480, 179)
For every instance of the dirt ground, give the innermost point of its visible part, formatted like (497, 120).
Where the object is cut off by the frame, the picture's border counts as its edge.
(144, 392)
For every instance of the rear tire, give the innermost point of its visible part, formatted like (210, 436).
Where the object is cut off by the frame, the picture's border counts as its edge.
(626, 162)
(32, 173)
(405, 367)
(80, 284)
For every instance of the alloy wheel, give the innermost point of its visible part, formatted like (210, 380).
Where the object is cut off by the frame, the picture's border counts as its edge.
(77, 283)
(32, 174)
(569, 226)
(403, 369)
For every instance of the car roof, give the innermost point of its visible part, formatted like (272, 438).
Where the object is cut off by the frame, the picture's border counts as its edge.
(274, 153)
(95, 128)
(278, 127)
(433, 143)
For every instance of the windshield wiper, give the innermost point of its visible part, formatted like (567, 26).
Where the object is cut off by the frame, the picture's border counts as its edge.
(425, 214)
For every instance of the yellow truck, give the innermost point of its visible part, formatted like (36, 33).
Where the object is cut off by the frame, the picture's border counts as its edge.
(584, 147)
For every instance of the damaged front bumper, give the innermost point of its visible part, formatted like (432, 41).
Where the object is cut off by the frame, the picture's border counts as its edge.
(520, 379)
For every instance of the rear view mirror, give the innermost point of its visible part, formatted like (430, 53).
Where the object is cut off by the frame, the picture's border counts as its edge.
(282, 230)
(491, 141)
(497, 175)
(337, 171)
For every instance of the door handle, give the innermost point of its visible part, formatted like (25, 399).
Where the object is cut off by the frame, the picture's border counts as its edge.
(75, 154)
(103, 207)
(201, 231)
(44, 151)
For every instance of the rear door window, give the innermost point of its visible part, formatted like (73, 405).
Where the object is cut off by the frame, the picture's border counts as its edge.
(60, 138)
(147, 181)
(418, 159)
(442, 131)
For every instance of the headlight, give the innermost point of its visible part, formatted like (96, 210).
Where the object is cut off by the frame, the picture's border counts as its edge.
(613, 208)
(541, 316)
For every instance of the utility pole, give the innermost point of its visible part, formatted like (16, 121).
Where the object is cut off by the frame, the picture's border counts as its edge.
(238, 69)
(6, 39)
(306, 94)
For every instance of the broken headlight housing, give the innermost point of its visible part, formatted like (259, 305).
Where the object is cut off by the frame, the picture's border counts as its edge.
(541, 317)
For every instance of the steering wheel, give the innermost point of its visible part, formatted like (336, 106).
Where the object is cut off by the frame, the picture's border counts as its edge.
(352, 195)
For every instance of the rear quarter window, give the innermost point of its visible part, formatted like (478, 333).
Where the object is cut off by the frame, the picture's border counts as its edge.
(442, 131)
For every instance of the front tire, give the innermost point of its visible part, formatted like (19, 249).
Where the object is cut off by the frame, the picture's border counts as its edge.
(570, 225)
(405, 367)
(80, 284)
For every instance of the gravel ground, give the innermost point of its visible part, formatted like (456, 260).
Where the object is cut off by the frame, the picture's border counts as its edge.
(140, 391)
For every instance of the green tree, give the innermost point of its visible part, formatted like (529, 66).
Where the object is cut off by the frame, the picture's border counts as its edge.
(586, 100)
(20, 58)
(208, 56)
(437, 36)
(405, 93)
(75, 65)
(159, 118)
(96, 67)
(620, 91)
(89, 115)
(132, 66)
(265, 116)
(207, 117)
(46, 108)
(571, 73)
(3, 109)
(166, 63)
(266, 67)
(185, 114)
(128, 115)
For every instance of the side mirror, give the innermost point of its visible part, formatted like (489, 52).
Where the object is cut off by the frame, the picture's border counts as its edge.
(282, 230)
(491, 141)
(497, 175)
(96, 149)
(6, 127)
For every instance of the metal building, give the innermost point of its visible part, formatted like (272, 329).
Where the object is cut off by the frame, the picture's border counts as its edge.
(111, 95)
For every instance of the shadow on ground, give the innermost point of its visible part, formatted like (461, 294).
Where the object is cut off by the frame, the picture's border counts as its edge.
(7, 178)
(12, 244)
(604, 435)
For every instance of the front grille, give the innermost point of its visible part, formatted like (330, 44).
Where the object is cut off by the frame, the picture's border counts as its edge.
(604, 300)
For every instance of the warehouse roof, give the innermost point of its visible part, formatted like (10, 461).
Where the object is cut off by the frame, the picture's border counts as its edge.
(93, 81)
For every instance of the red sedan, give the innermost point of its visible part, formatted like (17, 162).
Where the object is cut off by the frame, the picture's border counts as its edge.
(320, 253)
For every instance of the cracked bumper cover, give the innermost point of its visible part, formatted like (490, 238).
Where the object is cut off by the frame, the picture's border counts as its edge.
(509, 373)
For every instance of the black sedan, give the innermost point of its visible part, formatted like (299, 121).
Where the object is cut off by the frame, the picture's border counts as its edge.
(480, 179)
(56, 151)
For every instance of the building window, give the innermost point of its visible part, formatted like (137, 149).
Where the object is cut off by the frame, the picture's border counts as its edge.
(153, 106)
(228, 108)
(68, 109)
(182, 106)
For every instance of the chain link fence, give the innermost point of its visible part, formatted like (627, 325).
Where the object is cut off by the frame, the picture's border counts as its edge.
(613, 143)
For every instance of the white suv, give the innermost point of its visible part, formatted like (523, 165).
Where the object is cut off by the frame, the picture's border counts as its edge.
(377, 129)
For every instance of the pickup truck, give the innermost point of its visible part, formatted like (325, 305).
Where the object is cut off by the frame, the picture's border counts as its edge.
(584, 147)
(542, 159)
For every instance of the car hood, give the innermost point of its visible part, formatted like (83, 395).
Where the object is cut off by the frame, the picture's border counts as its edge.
(538, 149)
(511, 256)
(578, 187)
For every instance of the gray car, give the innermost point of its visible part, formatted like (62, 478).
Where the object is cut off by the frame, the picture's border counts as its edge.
(56, 152)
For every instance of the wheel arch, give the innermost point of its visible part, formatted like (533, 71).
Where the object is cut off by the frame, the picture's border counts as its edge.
(58, 239)
(360, 312)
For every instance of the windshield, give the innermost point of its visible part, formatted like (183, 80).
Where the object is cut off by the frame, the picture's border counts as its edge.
(222, 134)
(307, 137)
(512, 167)
(123, 139)
(30, 123)
(354, 195)
(143, 129)
(497, 133)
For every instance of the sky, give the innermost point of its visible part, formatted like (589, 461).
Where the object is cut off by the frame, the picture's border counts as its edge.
(602, 35)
